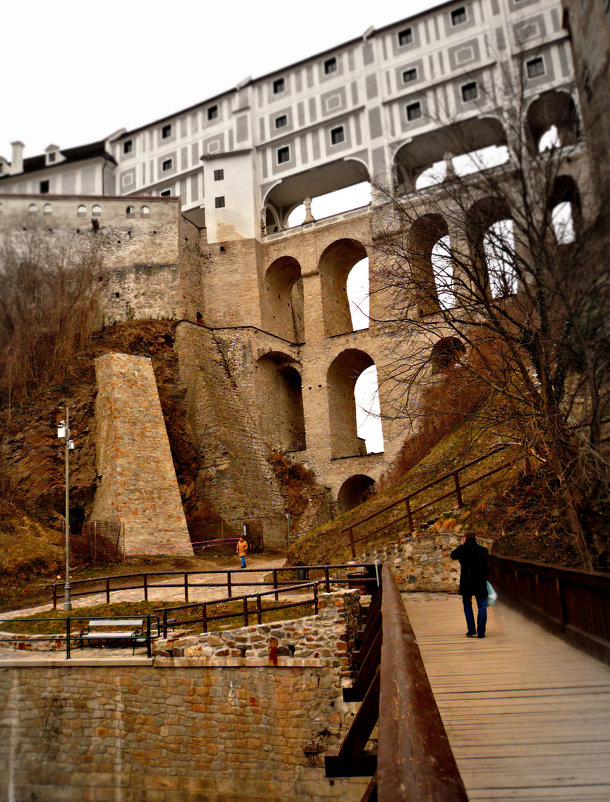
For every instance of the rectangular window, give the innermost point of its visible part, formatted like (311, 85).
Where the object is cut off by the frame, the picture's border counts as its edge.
(52, 156)
(470, 91)
(212, 112)
(165, 193)
(166, 131)
(281, 121)
(458, 15)
(219, 202)
(330, 65)
(219, 175)
(44, 187)
(283, 155)
(278, 86)
(414, 111)
(337, 135)
(128, 146)
(405, 37)
(167, 165)
(409, 75)
(535, 67)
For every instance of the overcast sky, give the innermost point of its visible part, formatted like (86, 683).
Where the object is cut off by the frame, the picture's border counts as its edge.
(74, 72)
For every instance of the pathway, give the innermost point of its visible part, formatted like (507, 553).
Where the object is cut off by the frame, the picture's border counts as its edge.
(527, 715)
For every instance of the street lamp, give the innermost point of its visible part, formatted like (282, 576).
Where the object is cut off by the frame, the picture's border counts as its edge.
(63, 431)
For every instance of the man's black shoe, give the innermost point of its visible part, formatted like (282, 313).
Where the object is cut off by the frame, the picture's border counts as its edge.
(480, 636)
(471, 634)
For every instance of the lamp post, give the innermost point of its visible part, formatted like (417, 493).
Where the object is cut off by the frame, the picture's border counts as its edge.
(64, 432)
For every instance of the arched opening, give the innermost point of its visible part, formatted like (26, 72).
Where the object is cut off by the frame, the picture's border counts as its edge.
(492, 248)
(341, 200)
(345, 438)
(334, 267)
(96, 210)
(280, 402)
(283, 299)
(461, 148)
(32, 208)
(130, 211)
(431, 264)
(358, 294)
(81, 210)
(445, 353)
(354, 491)
(565, 209)
(368, 414)
(47, 209)
(552, 110)
(144, 211)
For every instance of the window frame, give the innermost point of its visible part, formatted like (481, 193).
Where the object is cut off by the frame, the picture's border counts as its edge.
(468, 86)
(538, 61)
(127, 146)
(282, 152)
(167, 164)
(219, 202)
(410, 70)
(331, 65)
(165, 193)
(279, 85)
(166, 131)
(278, 121)
(416, 104)
(338, 130)
(212, 112)
(459, 10)
(408, 37)
(219, 175)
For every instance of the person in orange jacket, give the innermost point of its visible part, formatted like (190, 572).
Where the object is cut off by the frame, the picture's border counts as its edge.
(242, 548)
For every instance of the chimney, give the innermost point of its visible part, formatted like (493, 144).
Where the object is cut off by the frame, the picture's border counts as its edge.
(17, 160)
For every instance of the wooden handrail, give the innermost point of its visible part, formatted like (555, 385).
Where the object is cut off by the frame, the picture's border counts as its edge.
(406, 500)
(414, 758)
(570, 601)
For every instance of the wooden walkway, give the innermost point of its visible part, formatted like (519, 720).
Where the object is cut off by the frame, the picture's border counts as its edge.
(528, 716)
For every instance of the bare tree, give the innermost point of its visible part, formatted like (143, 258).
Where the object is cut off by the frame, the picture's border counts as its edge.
(50, 287)
(500, 272)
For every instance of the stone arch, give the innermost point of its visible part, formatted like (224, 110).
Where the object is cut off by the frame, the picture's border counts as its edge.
(440, 147)
(445, 353)
(341, 378)
(334, 266)
(565, 209)
(280, 402)
(554, 108)
(490, 250)
(283, 299)
(424, 234)
(354, 491)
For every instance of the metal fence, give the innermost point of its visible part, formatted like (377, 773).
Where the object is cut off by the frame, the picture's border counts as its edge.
(100, 541)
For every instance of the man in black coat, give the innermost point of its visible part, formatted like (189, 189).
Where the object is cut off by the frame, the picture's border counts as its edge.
(474, 568)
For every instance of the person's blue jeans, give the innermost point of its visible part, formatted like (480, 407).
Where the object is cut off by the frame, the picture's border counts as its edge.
(243, 561)
(481, 615)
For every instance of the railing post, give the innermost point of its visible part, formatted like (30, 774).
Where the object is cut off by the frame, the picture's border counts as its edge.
(54, 597)
(186, 587)
(148, 644)
(145, 587)
(68, 638)
(259, 609)
(229, 590)
(204, 617)
(107, 590)
(409, 515)
(165, 623)
(458, 489)
(327, 578)
(277, 597)
(351, 541)
(245, 611)
(562, 603)
(315, 598)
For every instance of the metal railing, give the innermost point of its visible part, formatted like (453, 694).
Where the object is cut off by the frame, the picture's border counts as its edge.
(457, 490)
(203, 616)
(413, 759)
(573, 602)
(73, 638)
(147, 581)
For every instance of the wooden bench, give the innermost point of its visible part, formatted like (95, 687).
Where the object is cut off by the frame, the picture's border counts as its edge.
(133, 630)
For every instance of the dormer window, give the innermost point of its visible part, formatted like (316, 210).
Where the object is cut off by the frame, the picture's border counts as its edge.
(279, 85)
(52, 156)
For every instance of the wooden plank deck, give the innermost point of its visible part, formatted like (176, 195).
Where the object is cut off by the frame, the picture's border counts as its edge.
(528, 716)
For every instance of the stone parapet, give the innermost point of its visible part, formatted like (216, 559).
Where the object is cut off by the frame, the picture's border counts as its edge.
(421, 562)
